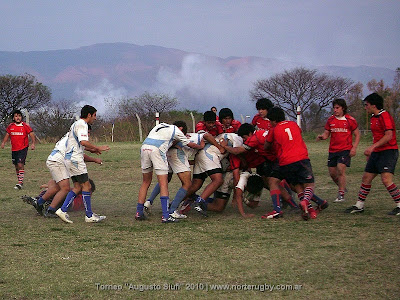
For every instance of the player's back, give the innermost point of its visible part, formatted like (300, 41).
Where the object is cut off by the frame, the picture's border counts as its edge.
(288, 143)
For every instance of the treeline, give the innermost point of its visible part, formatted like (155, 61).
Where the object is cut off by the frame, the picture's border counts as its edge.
(312, 91)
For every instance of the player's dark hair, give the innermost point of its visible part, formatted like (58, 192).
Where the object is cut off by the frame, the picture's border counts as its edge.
(181, 124)
(264, 103)
(16, 111)
(245, 129)
(276, 114)
(212, 108)
(86, 110)
(342, 103)
(375, 99)
(209, 116)
(92, 185)
(225, 112)
(255, 184)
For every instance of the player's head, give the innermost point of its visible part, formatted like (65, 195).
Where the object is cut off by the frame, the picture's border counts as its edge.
(17, 116)
(181, 125)
(255, 184)
(87, 110)
(214, 109)
(245, 130)
(209, 119)
(226, 116)
(276, 114)
(342, 103)
(374, 99)
(264, 103)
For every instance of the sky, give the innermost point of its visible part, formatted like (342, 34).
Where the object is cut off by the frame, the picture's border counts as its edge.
(342, 32)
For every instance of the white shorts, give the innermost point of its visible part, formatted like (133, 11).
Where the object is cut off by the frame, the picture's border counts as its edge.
(76, 168)
(152, 158)
(178, 160)
(58, 170)
(227, 186)
(207, 159)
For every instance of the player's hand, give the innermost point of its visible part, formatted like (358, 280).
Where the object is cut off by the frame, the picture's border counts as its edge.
(104, 148)
(353, 152)
(2, 145)
(98, 161)
(33, 147)
(319, 137)
(369, 150)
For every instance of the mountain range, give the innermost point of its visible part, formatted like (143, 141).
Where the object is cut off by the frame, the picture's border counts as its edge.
(94, 73)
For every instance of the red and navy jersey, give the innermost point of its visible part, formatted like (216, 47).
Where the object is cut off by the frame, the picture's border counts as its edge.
(256, 142)
(19, 135)
(287, 142)
(261, 123)
(253, 158)
(380, 123)
(233, 128)
(341, 130)
(216, 130)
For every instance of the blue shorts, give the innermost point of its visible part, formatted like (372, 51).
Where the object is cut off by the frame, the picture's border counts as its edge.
(266, 168)
(382, 162)
(341, 157)
(19, 157)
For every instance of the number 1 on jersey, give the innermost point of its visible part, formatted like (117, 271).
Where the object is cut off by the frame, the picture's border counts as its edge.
(289, 133)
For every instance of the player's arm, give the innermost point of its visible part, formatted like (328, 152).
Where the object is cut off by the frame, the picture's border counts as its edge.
(94, 149)
(323, 136)
(33, 139)
(92, 159)
(232, 150)
(239, 202)
(196, 146)
(209, 138)
(386, 138)
(357, 137)
(5, 140)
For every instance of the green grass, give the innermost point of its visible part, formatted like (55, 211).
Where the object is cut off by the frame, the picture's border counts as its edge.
(334, 256)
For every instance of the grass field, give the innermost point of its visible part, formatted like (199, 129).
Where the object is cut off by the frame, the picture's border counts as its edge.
(335, 256)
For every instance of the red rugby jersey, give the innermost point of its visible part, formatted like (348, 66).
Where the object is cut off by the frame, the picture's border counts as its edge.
(256, 142)
(341, 132)
(233, 128)
(379, 124)
(287, 142)
(19, 135)
(261, 123)
(216, 130)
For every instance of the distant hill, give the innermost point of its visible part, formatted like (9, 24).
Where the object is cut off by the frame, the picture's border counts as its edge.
(90, 74)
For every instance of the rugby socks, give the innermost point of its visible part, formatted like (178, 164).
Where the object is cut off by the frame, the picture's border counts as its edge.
(164, 206)
(275, 196)
(341, 193)
(395, 193)
(154, 193)
(86, 198)
(68, 200)
(363, 192)
(40, 201)
(291, 202)
(20, 176)
(201, 200)
(317, 199)
(180, 194)
(308, 194)
(139, 208)
(286, 186)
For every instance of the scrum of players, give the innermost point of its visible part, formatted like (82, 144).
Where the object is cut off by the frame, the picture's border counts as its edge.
(241, 160)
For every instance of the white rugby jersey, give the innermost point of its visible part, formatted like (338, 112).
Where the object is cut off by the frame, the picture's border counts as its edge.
(58, 153)
(77, 133)
(163, 135)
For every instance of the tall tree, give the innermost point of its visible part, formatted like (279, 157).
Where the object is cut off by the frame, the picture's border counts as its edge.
(301, 87)
(18, 92)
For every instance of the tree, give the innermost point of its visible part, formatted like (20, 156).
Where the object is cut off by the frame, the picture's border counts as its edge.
(18, 92)
(146, 106)
(301, 87)
(55, 120)
(391, 95)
